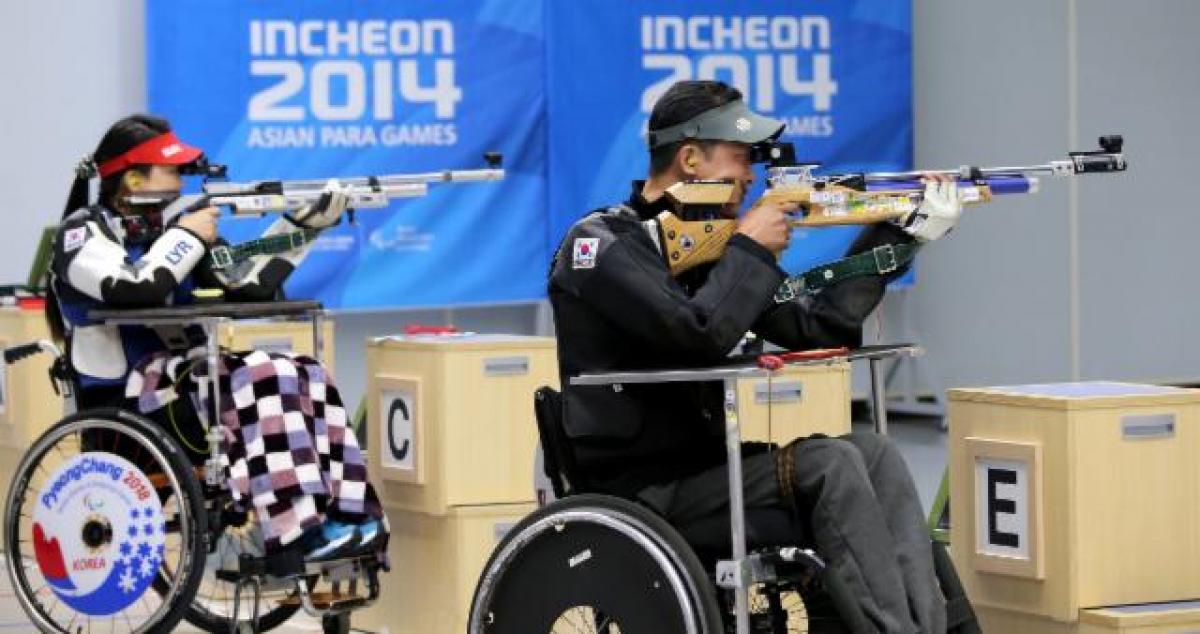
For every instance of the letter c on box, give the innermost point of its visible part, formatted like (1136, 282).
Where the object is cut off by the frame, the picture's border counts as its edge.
(398, 405)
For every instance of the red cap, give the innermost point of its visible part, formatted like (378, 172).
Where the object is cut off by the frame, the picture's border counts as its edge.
(164, 149)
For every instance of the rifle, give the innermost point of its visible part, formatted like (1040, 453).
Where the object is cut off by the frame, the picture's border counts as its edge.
(845, 199)
(274, 196)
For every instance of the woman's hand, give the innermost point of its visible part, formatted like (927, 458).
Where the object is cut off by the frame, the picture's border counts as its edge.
(202, 222)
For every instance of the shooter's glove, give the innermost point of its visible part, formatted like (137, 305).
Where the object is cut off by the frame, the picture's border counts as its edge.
(940, 210)
(327, 210)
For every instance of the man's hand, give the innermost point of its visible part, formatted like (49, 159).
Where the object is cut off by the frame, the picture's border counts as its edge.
(328, 209)
(202, 222)
(939, 211)
(766, 223)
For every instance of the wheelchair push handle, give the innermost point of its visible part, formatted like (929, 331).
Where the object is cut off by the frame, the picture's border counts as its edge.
(14, 354)
(777, 361)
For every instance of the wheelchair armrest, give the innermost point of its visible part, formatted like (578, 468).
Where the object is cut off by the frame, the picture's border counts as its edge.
(885, 351)
(193, 312)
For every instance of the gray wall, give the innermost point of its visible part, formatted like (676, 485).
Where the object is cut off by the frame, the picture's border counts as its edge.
(68, 70)
(1138, 72)
(1085, 279)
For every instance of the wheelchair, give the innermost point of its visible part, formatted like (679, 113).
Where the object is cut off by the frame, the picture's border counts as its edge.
(591, 562)
(109, 526)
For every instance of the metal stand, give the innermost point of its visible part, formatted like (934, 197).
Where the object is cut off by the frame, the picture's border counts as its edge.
(737, 505)
(878, 398)
(210, 317)
(907, 375)
(737, 574)
(875, 356)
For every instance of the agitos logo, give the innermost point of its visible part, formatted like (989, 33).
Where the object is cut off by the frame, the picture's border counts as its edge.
(755, 54)
(334, 72)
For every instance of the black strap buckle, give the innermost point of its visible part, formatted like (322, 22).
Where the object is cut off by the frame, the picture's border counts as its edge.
(885, 259)
(221, 256)
(297, 239)
(788, 291)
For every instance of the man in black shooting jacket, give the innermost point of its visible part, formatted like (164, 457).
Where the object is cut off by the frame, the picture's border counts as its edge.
(617, 307)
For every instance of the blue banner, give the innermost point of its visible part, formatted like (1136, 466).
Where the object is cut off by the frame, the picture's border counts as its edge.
(313, 89)
(837, 71)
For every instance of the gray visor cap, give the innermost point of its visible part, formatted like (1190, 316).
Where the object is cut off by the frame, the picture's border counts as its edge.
(730, 122)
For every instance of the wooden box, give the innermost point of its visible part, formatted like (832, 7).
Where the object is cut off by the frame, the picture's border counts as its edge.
(1073, 496)
(28, 403)
(1158, 618)
(1154, 618)
(436, 562)
(450, 419)
(278, 336)
(795, 402)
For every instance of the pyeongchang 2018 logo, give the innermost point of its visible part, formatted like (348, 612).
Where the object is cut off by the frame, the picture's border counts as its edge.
(756, 54)
(343, 83)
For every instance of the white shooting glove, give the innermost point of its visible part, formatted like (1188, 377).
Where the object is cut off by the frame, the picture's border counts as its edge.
(327, 210)
(940, 210)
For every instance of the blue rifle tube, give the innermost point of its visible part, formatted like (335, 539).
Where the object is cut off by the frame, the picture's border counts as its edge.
(1013, 184)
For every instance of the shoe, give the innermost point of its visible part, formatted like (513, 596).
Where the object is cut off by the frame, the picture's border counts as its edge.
(329, 541)
(369, 531)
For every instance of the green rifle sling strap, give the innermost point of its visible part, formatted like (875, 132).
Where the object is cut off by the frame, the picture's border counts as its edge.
(878, 261)
(224, 257)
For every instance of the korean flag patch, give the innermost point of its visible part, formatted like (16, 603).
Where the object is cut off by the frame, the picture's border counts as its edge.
(74, 238)
(585, 253)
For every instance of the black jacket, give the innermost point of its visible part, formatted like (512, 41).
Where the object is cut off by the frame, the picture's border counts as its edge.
(616, 307)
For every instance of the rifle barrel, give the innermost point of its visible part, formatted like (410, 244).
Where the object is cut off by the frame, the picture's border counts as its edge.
(384, 181)
(1004, 184)
(1053, 168)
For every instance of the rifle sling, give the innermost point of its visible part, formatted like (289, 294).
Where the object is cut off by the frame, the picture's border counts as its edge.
(228, 256)
(878, 261)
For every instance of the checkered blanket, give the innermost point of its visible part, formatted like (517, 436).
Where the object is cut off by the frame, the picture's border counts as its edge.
(287, 448)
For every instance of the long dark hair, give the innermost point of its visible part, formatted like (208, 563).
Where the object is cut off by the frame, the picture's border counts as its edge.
(123, 136)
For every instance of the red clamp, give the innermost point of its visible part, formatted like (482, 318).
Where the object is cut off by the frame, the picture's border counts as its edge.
(425, 329)
(32, 303)
(777, 361)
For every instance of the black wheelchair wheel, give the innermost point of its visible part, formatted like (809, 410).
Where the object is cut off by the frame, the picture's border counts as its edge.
(86, 526)
(594, 563)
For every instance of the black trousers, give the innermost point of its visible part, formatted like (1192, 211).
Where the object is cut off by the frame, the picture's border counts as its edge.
(856, 504)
